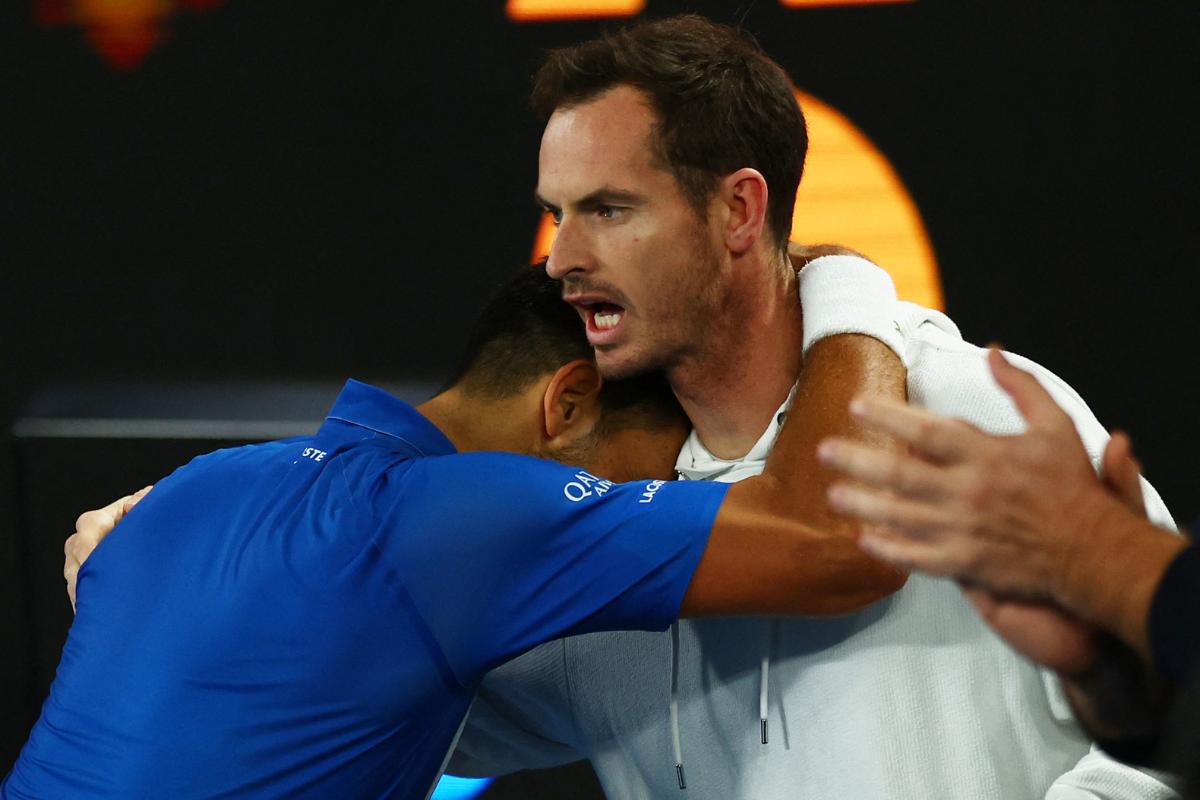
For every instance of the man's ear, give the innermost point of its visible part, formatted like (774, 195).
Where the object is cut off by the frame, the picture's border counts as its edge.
(744, 194)
(571, 402)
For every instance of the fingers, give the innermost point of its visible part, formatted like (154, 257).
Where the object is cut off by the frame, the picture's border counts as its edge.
(70, 570)
(1038, 630)
(941, 438)
(801, 254)
(90, 528)
(76, 550)
(881, 508)
(100, 521)
(134, 499)
(984, 601)
(882, 468)
(906, 553)
(1031, 398)
(1120, 471)
(900, 529)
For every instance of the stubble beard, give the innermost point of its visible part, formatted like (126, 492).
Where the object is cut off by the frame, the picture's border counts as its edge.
(679, 332)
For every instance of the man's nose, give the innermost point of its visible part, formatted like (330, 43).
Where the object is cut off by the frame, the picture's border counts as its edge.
(568, 253)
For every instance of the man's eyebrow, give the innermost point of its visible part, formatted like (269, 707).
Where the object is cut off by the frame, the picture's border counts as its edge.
(604, 196)
(607, 196)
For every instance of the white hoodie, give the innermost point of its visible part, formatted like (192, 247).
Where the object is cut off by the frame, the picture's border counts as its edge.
(913, 698)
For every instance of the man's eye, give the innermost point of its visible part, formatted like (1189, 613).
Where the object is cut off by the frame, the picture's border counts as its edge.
(555, 214)
(607, 212)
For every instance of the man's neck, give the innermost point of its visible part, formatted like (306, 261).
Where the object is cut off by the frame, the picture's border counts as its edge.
(734, 385)
(472, 424)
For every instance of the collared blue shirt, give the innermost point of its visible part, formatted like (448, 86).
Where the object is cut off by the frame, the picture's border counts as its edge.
(311, 617)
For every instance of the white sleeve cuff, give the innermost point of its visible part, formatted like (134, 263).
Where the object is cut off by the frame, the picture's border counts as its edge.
(848, 294)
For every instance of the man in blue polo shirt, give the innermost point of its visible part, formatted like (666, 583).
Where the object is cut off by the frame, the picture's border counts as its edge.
(311, 617)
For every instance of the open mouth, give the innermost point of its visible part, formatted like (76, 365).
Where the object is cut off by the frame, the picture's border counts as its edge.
(605, 316)
(603, 319)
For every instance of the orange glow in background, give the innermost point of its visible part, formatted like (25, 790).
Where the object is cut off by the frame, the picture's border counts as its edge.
(545, 10)
(535, 10)
(125, 31)
(850, 195)
(122, 31)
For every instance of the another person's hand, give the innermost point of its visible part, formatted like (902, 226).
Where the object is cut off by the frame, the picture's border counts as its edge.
(90, 529)
(1114, 696)
(1044, 633)
(1007, 513)
(1023, 517)
(1041, 632)
(801, 254)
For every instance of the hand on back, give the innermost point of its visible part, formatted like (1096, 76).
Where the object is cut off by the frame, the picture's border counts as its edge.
(90, 529)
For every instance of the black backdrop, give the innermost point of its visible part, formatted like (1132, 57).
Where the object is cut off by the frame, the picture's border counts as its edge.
(304, 190)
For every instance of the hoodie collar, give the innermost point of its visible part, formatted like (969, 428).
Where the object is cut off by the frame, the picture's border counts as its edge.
(697, 463)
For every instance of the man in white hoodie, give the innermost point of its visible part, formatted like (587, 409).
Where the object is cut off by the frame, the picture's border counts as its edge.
(670, 159)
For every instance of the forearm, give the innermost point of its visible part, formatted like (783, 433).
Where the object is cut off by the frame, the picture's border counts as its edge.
(1115, 570)
(835, 370)
(758, 562)
(776, 547)
(851, 347)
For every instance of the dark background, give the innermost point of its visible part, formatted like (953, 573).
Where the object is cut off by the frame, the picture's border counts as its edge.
(306, 190)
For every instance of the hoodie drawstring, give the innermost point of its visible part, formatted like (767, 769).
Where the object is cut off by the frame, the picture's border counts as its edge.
(764, 680)
(675, 705)
(764, 692)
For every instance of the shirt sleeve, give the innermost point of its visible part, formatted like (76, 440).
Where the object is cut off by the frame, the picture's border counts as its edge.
(501, 552)
(1174, 617)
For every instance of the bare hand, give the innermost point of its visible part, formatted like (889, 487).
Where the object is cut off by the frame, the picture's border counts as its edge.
(1006, 513)
(90, 529)
(801, 254)
(1120, 472)
(1041, 632)
(1044, 633)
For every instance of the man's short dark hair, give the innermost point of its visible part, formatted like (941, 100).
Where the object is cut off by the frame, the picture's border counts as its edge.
(526, 331)
(722, 104)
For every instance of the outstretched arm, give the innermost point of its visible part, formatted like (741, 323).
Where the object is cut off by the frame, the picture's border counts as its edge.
(775, 546)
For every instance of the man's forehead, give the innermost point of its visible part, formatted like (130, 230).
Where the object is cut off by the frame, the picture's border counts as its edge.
(605, 141)
(614, 122)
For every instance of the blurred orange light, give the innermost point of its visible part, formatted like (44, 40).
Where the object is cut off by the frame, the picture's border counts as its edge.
(123, 31)
(541, 10)
(850, 195)
(814, 3)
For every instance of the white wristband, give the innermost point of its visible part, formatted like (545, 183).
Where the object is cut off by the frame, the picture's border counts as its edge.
(848, 294)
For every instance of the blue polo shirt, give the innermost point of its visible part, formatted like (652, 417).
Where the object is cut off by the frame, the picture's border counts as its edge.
(311, 617)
